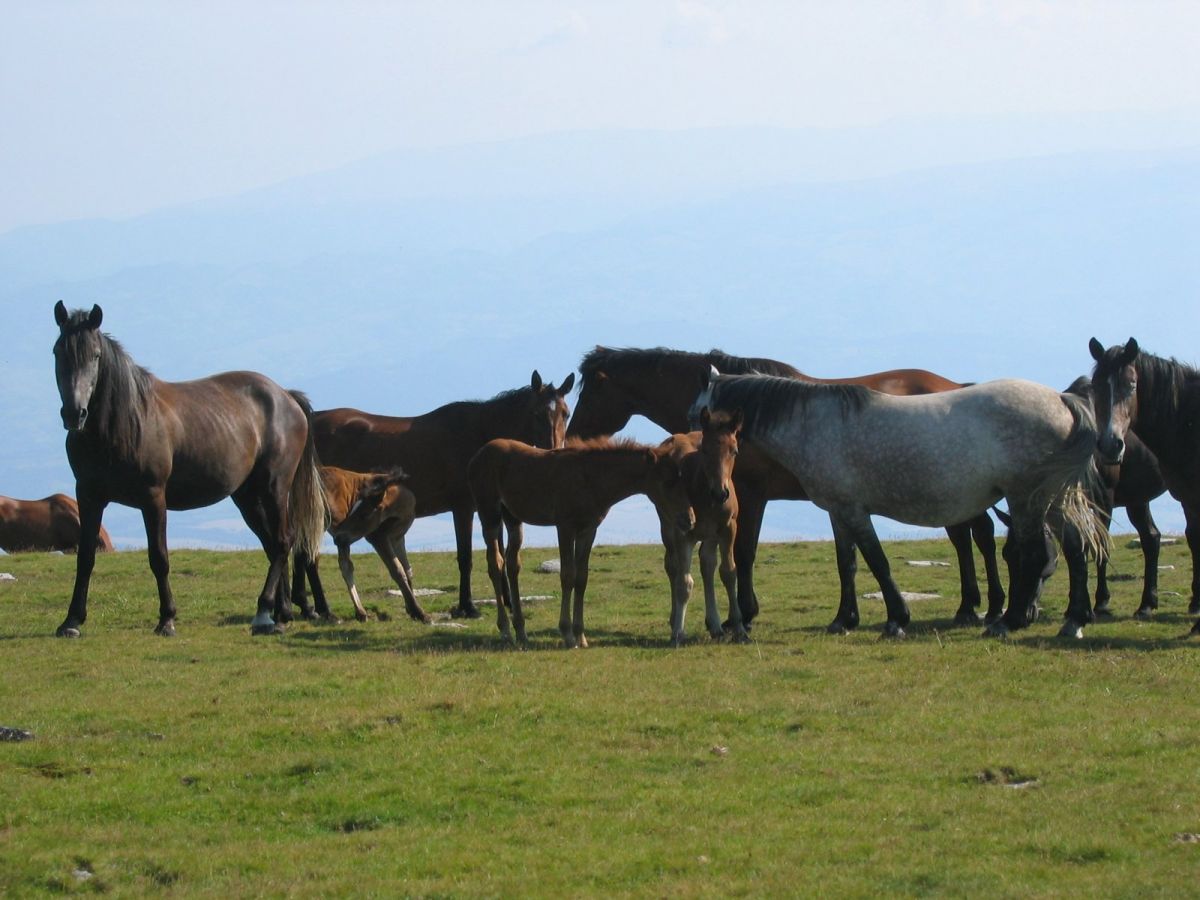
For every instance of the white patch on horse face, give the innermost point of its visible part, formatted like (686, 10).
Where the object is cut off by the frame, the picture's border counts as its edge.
(552, 406)
(703, 399)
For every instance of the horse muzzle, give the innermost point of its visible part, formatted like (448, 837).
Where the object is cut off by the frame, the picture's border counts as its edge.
(74, 420)
(1111, 451)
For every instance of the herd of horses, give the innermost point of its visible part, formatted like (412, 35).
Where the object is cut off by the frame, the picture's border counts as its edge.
(906, 444)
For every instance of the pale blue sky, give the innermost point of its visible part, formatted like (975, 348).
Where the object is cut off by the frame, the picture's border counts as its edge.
(115, 108)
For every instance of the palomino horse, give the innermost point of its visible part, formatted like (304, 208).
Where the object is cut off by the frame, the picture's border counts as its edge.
(435, 448)
(1158, 400)
(661, 384)
(924, 460)
(157, 445)
(372, 505)
(43, 525)
(706, 460)
(572, 489)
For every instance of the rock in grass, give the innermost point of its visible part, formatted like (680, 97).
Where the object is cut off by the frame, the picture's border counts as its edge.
(908, 596)
(550, 566)
(14, 734)
(7, 576)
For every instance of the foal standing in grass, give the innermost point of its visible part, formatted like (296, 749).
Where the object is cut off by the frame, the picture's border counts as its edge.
(573, 489)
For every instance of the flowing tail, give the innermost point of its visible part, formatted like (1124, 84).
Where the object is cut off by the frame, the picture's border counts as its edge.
(309, 510)
(1074, 504)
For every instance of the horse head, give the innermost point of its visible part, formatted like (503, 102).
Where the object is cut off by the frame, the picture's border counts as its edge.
(669, 491)
(718, 451)
(1114, 386)
(548, 412)
(77, 355)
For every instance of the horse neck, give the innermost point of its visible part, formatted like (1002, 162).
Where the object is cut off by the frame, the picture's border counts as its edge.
(1166, 392)
(494, 418)
(620, 472)
(120, 399)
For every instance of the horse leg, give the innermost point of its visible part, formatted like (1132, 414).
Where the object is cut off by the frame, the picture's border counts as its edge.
(495, 564)
(91, 511)
(752, 505)
(859, 525)
(1151, 538)
(583, 553)
(847, 563)
(255, 502)
(321, 608)
(154, 517)
(463, 520)
(708, 575)
(677, 561)
(1079, 607)
(1028, 557)
(566, 578)
(960, 539)
(384, 541)
(1103, 595)
(346, 567)
(1191, 514)
(728, 570)
(512, 573)
(983, 530)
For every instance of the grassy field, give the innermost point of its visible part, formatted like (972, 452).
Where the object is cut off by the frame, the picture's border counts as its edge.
(393, 758)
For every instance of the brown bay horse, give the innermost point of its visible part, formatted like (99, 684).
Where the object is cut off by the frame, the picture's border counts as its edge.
(370, 505)
(1158, 400)
(661, 384)
(42, 526)
(156, 445)
(434, 450)
(572, 489)
(706, 460)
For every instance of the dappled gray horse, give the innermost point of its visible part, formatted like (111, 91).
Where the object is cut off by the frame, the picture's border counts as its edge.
(927, 460)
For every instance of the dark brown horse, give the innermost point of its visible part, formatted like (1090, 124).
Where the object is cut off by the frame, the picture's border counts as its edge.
(661, 384)
(706, 460)
(157, 445)
(374, 505)
(43, 525)
(572, 489)
(435, 448)
(1158, 400)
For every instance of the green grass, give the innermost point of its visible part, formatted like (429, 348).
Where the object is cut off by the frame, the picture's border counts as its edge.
(393, 758)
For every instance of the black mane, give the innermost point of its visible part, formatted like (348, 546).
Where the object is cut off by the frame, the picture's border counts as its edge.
(611, 359)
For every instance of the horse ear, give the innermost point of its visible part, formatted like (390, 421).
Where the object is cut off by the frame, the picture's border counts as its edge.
(536, 381)
(1129, 354)
(96, 316)
(60, 314)
(1097, 349)
(568, 383)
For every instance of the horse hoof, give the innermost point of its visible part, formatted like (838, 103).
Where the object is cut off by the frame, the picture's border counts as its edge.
(67, 631)
(165, 629)
(893, 630)
(1103, 612)
(741, 637)
(262, 630)
(837, 627)
(422, 617)
(968, 617)
(465, 612)
(1144, 613)
(996, 629)
(676, 640)
(1071, 630)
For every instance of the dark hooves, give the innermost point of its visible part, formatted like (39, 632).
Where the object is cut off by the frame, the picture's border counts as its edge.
(1103, 612)
(67, 631)
(996, 629)
(1144, 613)
(837, 627)
(968, 617)
(465, 612)
(165, 629)
(262, 630)
(1071, 630)
(893, 630)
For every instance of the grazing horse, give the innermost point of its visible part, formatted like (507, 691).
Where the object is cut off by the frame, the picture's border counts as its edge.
(435, 448)
(924, 460)
(371, 505)
(660, 385)
(1158, 400)
(706, 460)
(573, 489)
(156, 445)
(43, 525)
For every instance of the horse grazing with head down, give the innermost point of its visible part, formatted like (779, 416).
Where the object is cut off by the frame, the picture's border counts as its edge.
(434, 450)
(45, 525)
(1158, 401)
(706, 461)
(924, 460)
(369, 505)
(156, 445)
(572, 489)
(660, 384)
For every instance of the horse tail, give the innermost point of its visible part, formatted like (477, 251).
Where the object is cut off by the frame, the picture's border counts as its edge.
(1075, 503)
(307, 501)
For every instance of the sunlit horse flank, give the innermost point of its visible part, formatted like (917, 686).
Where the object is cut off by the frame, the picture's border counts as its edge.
(374, 505)
(706, 460)
(573, 489)
(43, 526)
(434, 450)
(156, 445)
(660, 384)
(1158, 399)
(923, 460)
